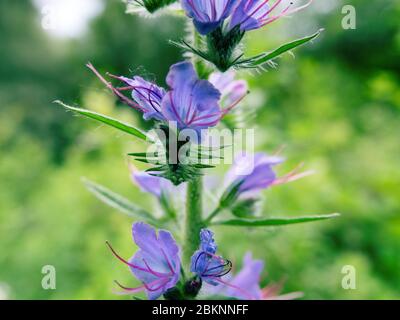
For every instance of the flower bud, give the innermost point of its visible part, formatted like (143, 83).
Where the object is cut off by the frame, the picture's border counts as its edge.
(173, 294)
(192, 287)
(150, 5)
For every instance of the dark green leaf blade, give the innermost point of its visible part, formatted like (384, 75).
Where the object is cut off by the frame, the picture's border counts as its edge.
(270, 222)
(127, 128)
(118, 202)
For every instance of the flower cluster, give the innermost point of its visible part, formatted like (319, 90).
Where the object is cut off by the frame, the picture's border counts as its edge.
(157, 263)
(246, 178)
(190, 102)
(199, 96)
(246, 15)
(224, 24)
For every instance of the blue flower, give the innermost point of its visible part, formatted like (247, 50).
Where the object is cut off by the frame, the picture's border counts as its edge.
(157, 186)
(255, 172)
(254, 14)
(156, 264)
(148, 95)
(206, 264)
(208, 15)
(245, 285)
(192, 103)
(232, 91)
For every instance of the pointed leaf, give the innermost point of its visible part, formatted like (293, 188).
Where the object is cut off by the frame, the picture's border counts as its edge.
(118, 202)
(265, 57)
(274, 221)
(127, 128)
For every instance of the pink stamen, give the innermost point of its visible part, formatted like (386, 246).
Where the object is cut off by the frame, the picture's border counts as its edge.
(286, 12)
(136, 88)
(233, 105)
(157, 274)
(208, 116)
(256, 10)
(163, 283)
(242, 291)
(130, 290)
(293, 175)
(128, 101)
(279, 150)
(168, 262)
(273, 8)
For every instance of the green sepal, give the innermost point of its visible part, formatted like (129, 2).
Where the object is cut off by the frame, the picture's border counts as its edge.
(230, 195)
(245, 208)
(220, 49)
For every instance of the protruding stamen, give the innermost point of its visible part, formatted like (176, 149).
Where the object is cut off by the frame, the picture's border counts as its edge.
(242, 291)
(123, 98)
(157, 274)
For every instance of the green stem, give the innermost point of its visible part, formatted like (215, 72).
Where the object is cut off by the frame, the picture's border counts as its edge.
(194, 207)
(193, 220)
(216, 211)
(196, 42)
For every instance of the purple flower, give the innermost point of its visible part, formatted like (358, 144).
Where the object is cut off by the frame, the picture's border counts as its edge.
(254, 14)
(253, 172)
(245, 284)
(206, 264)
(148, 95)
(208, 15)
(232, 91)
(151, 184)
(156, 264)
(192, 103)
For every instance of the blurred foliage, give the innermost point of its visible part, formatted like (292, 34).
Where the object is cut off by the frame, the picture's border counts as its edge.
(336, 107)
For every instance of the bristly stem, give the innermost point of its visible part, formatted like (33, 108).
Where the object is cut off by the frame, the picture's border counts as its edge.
(194, 193)
(193, 220)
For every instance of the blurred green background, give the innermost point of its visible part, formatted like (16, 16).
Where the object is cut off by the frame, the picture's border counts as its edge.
(336, 107)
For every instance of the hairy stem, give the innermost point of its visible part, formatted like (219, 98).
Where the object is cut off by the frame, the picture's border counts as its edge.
(193, 220)
(194, 207)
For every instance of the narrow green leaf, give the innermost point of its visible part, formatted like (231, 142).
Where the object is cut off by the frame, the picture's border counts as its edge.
(143, 154)
(265, 57)
(127, 128)
(274, 221)
(149, 161)
(203, 166)
(118, 202)
(189, 48)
